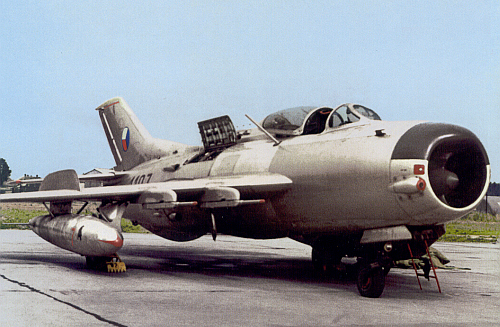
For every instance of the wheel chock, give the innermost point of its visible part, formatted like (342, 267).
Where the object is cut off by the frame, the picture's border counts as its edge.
(116, 265)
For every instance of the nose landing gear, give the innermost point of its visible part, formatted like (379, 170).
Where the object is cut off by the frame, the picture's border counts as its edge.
(371, 280)
(369, 271)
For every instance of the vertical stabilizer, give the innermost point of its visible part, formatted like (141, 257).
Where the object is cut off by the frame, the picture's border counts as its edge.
(130, 142)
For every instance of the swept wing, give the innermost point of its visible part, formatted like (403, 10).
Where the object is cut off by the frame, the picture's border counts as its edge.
(211, 189)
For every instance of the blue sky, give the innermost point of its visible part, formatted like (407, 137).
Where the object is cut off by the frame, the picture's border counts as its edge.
(180, 62)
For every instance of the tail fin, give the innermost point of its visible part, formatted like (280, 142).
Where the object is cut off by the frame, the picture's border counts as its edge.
(130, 142)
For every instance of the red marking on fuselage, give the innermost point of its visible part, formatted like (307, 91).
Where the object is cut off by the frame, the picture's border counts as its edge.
(73, 229)
(419, 170)
(111, 104)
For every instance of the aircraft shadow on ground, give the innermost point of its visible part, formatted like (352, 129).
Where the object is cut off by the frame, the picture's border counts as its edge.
(70, 262)
(218, 262)
(244, 264)
(229, 263)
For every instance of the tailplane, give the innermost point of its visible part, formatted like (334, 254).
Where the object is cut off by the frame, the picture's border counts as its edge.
(130, 142)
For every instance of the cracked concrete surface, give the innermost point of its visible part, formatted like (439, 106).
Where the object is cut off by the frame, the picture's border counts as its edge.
(232, 282)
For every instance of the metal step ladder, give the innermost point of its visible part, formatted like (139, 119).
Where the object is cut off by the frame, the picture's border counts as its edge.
(426, 274)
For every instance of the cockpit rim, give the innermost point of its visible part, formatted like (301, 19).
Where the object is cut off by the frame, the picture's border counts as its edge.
(302, 129)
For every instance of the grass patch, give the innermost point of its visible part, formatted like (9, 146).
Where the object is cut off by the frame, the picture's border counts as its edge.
(24, 215)
(474, 227)
(128, 227)
(18, 216)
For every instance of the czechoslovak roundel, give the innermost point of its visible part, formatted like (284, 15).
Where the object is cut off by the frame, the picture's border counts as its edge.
(125, 138)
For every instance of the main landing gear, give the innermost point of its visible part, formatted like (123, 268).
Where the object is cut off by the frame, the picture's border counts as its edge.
(110, 264)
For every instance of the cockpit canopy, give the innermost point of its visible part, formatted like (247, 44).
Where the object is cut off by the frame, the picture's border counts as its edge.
(314, 120)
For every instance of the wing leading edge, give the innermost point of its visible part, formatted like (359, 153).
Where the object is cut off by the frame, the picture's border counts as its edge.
(206, 191)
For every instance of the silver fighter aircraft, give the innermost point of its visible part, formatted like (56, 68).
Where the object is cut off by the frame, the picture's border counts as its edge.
(339, 179)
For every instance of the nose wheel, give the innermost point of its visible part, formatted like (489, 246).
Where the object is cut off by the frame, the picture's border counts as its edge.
(369, 266)
(371, 281)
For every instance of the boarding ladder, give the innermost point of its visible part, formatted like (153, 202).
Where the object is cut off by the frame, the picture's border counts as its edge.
(425, 274)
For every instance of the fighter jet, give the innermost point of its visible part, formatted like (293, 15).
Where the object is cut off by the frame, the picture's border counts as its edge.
(338, 179)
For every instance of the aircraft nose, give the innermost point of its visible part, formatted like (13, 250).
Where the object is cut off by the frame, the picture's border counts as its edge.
(458, 166)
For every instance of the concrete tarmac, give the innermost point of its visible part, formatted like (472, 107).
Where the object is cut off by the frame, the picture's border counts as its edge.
(233, 282)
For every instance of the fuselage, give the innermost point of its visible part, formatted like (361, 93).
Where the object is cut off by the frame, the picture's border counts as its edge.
(344, 179)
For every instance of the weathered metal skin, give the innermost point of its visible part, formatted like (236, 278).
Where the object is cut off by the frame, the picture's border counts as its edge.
(348, 177)
(85, 235)
(341, 182)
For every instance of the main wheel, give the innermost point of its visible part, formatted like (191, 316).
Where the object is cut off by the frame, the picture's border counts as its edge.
(324, 261)
(371, 282)
(318, 259)
(96, 263)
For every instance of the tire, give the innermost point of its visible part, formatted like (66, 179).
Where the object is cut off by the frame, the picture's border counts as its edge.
(318, 259)
(324, 262)
(96, 263)
(90, 262)
(371, 282)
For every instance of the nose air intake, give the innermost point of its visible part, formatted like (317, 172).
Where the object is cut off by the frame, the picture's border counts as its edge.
(457, 161)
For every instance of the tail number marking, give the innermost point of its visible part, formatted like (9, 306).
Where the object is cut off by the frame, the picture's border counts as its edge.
(141, 179)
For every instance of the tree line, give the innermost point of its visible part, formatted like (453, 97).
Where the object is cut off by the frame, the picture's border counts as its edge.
(4, 171)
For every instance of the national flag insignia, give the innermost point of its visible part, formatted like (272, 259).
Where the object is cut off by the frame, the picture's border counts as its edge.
(125, 138)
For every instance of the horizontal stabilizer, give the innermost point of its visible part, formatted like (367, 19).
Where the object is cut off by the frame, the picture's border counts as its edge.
(107, 176)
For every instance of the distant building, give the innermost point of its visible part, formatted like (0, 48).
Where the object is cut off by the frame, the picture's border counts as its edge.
(96, 171)
(5, 189)
(28, 186)
(490, 204)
